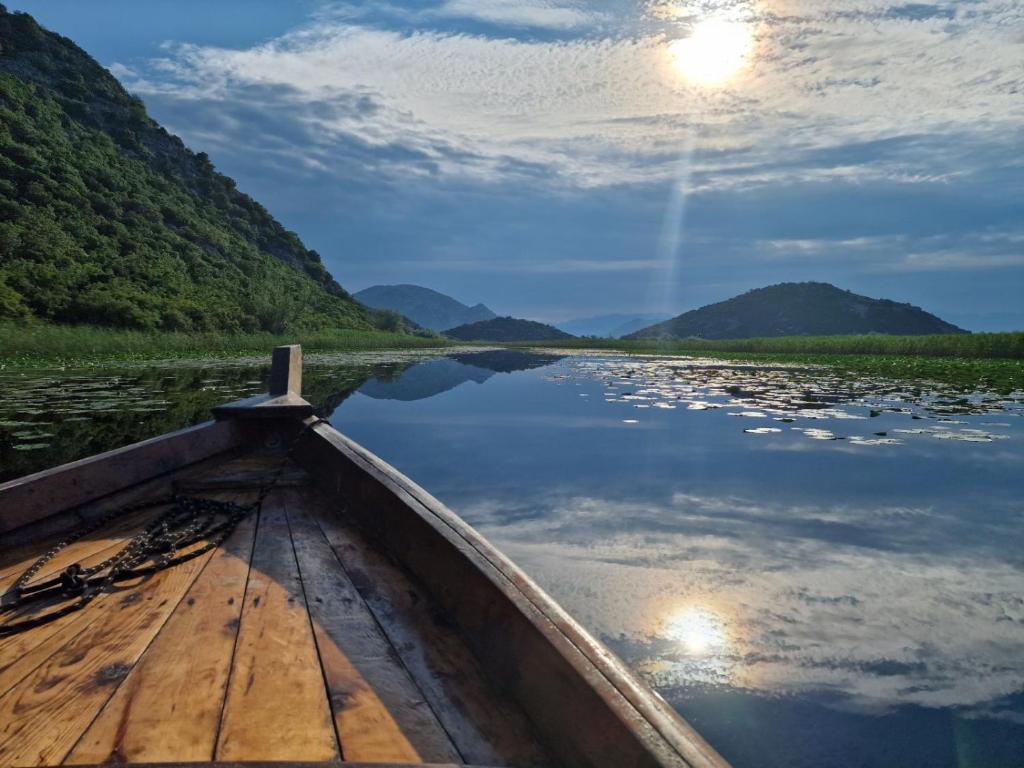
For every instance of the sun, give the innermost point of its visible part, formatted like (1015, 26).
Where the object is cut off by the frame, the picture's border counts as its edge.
(716, 50)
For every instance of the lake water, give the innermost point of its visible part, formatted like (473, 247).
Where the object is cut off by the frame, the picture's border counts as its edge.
(815, 570)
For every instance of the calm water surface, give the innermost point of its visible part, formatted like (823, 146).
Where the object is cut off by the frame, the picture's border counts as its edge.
(816, 571)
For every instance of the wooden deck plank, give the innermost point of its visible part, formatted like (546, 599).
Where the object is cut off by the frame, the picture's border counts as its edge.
(42, 534)
(22, 653)
(276, 707)
(169, 706)
(292, 764)
(485, 727)
(249, 471)
(44, 715)
(88, 550)
(380, 714)
(15, 558)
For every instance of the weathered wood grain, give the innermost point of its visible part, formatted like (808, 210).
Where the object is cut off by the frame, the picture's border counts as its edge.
(293, 764)
(289, 406)
(485, 726)
(169, 706)
(380, 714)
(87, 551)
(43, 715)
(30, 498)
(276, 707)
(20, 654)
(251, 471)
(286, 370)
(29, 541)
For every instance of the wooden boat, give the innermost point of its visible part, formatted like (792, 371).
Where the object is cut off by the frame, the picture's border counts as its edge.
(352, 619)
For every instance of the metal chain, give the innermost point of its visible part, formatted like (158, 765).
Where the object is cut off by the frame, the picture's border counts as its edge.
(188, 521)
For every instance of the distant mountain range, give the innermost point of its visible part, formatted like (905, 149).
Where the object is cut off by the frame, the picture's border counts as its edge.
(609, 326)
(426, 307)
(507, 329)
(798, 309)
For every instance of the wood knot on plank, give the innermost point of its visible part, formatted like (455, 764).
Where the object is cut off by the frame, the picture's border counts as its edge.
(112, 673)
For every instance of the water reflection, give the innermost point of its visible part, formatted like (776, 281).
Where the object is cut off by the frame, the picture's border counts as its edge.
(817, 570)
(433, 377)
(808, 593)
(53, 416)
(700, 631)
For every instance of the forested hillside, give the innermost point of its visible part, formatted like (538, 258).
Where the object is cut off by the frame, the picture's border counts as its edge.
(107, 219)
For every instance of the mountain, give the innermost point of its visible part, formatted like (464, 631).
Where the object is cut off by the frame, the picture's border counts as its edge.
(507, 329)
(609, 326)
(423, 306)
(798, 309)
(106, 218)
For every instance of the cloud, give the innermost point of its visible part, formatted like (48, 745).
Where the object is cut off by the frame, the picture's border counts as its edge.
(881, 596)
(547, 266)
(903, 253)
(612, 110)
(872, 144)
(525, 14)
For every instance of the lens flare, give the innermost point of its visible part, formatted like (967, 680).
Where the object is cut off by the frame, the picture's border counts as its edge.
(715, 51)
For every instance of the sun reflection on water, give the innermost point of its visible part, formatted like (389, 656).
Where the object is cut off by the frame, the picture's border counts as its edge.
(699, 631)
(694, 647)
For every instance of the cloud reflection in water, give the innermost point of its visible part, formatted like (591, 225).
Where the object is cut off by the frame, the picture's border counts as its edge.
(772, 584)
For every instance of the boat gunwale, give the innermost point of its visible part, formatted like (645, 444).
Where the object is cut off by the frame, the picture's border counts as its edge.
(33, 498)
(672, 741)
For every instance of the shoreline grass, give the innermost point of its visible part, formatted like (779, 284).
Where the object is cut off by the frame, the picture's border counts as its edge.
(34, 345)
(1008, 345)
(993, 361)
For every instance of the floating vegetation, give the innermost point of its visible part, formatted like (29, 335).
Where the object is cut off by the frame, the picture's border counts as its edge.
(964, 435)
(50, 416)
(809, 398)
(817, 434)
(858, 440)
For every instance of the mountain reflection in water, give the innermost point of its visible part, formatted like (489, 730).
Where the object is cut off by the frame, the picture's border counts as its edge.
(817, 570)
(433, 377)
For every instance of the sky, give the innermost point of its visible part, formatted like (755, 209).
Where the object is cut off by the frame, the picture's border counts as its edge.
(558, 159)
